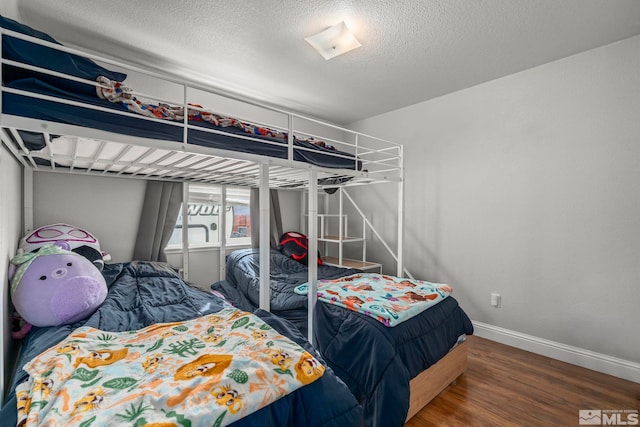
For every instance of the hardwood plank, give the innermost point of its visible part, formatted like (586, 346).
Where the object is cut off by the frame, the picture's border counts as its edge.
(428, 384)
(506, 386)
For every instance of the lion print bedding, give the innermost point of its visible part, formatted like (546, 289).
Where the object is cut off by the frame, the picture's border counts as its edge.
(161, 352)
(209, 371)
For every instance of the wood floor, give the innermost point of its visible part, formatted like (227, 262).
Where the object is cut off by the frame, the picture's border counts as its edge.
(506, 386)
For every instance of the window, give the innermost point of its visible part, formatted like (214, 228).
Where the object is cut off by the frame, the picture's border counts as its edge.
(203, 210)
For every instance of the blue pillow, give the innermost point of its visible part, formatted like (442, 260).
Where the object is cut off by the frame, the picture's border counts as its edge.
(40, 56)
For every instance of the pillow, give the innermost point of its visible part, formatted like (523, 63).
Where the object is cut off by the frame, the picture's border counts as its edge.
(77, 239)
(296, 246)
(40, 56)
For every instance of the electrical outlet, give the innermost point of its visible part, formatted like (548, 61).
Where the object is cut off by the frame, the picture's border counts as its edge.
(496, 300)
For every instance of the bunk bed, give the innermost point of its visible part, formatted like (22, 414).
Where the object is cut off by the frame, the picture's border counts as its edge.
(63, 112)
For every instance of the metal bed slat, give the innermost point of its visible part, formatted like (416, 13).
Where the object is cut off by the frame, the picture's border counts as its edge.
(280, 176)
(75, 154)
(168, 145)
(220, 176)
(122, 153)
(178, 163)
(6, 140)
(236, 166)
(145, 155)
(25, 151)
(97, 154)
(162, 159)
(47, 141)
(192, 162)
(208, 162)
(179, 158)
(136, 162)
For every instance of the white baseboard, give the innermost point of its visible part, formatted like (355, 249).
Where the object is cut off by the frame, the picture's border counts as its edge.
(620, 368)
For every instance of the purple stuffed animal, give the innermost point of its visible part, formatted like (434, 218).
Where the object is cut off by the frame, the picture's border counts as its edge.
(55, 286)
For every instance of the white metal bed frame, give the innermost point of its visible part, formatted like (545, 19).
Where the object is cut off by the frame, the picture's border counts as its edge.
(86, 151)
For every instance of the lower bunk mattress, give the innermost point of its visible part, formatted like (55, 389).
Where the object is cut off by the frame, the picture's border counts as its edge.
(143, 294)
(376, 362)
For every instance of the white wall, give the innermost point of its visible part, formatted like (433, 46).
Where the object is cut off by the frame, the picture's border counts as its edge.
(10, 233)
(204, 265)
(109, 208)
(528, 186)
(290, 205)
(9, 9)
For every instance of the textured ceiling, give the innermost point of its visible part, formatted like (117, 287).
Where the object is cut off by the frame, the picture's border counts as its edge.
(413, 50)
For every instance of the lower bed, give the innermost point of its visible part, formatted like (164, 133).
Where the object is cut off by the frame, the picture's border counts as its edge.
(143, 294)
(381, 365)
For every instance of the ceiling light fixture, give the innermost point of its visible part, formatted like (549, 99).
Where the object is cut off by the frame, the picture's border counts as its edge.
(334, 41)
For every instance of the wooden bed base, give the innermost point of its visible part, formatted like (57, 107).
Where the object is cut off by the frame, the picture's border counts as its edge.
(428, 384)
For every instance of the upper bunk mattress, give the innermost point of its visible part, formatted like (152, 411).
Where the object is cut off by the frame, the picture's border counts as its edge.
(230, 138)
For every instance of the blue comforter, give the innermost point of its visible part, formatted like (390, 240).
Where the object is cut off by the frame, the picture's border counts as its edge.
(142, 293)
(375, 361)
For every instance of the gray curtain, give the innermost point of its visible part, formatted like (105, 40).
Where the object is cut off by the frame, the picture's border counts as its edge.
(160, 211)
(275, 216)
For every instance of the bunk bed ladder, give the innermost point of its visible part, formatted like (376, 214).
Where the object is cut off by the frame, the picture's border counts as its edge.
(402, 271)
(343, 237)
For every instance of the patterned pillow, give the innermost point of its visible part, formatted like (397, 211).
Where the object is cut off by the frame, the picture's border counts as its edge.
(79, 240)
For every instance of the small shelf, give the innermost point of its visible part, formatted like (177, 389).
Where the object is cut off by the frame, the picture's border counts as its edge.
(352, 263)
(336, 239)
